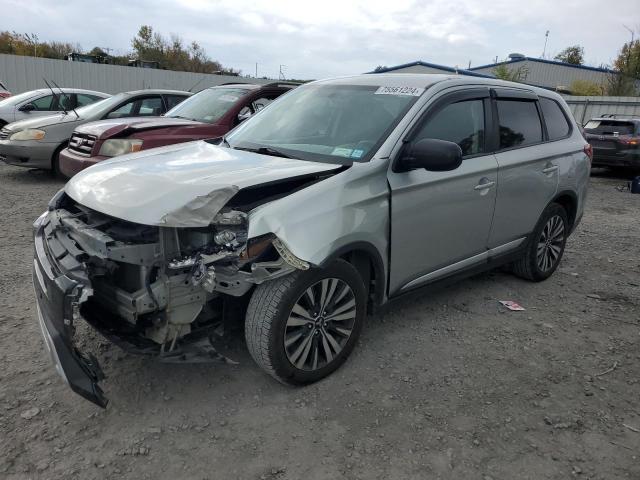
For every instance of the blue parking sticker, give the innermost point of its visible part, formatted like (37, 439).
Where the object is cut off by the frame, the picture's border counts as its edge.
(357, 153)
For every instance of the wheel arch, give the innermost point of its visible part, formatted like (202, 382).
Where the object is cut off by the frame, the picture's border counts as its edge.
(368, 261)
(569, 201)
(57, 151)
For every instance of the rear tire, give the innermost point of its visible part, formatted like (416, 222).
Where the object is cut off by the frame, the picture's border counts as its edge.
(545, 246)
(302, 327)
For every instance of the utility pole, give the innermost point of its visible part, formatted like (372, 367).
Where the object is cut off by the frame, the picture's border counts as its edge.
(281, 76)
(33, 39)
(633, 32)
(256, 69)
(546, 37)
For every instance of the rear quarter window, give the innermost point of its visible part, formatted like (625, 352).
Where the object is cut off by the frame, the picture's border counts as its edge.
(555, 120)
(519, 123)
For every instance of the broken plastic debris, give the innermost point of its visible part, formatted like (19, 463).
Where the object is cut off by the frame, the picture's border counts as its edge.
(511, 305)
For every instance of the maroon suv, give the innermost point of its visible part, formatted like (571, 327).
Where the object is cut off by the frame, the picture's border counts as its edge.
(208, 114)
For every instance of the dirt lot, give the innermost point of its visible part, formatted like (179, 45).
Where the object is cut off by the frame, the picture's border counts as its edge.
(445, 385)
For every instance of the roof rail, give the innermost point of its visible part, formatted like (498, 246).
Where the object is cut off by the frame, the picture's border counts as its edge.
(619, 115)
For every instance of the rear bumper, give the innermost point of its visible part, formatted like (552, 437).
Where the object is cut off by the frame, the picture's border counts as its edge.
(30, 154)
(607, 158)
(70, 163)
(57, 298)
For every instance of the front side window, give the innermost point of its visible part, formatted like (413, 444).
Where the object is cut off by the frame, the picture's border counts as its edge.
(461, 123)
(519, 123)
(44, 104)
(556, 122)
(209, 105)
(320, 122)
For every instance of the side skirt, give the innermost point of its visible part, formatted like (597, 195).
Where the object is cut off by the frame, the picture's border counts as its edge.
(442, 282)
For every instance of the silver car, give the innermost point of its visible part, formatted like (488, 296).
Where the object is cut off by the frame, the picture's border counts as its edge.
(43, 102)
(36, 143)
(340, 196)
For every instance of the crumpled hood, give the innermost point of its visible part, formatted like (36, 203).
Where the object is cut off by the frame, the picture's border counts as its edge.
(41, 122)
(181, 185)
(109, 128)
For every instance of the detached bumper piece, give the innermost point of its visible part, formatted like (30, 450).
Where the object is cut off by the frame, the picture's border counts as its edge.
(58, 297)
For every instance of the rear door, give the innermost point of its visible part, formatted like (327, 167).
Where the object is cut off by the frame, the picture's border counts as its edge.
(527, 167)
(440, 221)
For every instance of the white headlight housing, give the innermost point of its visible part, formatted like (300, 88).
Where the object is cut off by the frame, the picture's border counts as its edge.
(120, 146)
(28, 134)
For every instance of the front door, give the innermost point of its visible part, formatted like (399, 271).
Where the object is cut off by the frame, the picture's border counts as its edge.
(440, 221)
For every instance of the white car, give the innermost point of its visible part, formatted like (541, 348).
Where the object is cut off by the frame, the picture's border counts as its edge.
(37, 103)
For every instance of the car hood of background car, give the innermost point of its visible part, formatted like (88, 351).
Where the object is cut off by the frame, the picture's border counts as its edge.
(115, 127)
(42, 122)
(181, 185)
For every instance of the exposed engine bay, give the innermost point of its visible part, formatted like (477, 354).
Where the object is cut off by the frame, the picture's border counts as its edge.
(160, 290)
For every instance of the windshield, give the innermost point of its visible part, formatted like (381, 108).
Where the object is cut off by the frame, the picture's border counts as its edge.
(341, 123)
(209, 105)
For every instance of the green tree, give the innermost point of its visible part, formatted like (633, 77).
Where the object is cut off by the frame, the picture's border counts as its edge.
(586, 88)
(573, 54)
(626, 79)
(503, 72)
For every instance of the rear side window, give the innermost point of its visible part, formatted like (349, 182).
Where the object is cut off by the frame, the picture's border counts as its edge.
(84, 99)
(173, 100)
(554, 119)
(609, 127)
(461, 123)
(519, 123)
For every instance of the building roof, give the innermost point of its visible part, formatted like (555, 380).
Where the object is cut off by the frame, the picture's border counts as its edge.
(542, 60)
(459, 71)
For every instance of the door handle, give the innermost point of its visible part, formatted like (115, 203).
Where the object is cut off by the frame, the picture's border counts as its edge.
(550, 168)
(484, 186)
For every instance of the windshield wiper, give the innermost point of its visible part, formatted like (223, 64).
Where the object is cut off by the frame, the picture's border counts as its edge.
(266, 151)
(183, 118)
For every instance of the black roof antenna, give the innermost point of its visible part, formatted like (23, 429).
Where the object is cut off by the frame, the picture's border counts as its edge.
(72, 108)
(55, 95)
(195, 84)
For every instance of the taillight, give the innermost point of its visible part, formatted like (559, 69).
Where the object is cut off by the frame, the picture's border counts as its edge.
(588, 149)
(5, 94)
(629, 140)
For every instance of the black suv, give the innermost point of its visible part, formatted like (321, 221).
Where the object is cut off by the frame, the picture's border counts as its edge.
(615, 141)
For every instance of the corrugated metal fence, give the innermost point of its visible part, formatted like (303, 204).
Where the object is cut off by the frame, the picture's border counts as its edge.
(21, 74)
(584, 108)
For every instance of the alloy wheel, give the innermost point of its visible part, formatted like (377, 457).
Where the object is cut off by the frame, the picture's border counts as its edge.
(320, 324)
(550, 243)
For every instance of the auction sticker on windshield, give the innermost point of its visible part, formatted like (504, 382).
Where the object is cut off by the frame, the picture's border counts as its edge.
(413, 91)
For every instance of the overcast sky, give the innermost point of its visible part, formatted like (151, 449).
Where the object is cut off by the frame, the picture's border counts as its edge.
(322, 38)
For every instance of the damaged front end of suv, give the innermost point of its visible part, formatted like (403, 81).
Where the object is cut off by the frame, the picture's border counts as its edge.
(158, 288)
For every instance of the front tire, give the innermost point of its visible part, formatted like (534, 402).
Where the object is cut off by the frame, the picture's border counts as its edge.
(302, 327)
(545, 246)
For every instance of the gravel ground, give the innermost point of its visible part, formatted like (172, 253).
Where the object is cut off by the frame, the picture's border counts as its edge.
(444, 385)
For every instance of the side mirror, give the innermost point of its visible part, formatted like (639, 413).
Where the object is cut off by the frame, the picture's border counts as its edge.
(431, 154)
(27, 107)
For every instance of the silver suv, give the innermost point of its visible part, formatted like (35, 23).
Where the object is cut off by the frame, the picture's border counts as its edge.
(333, 200)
